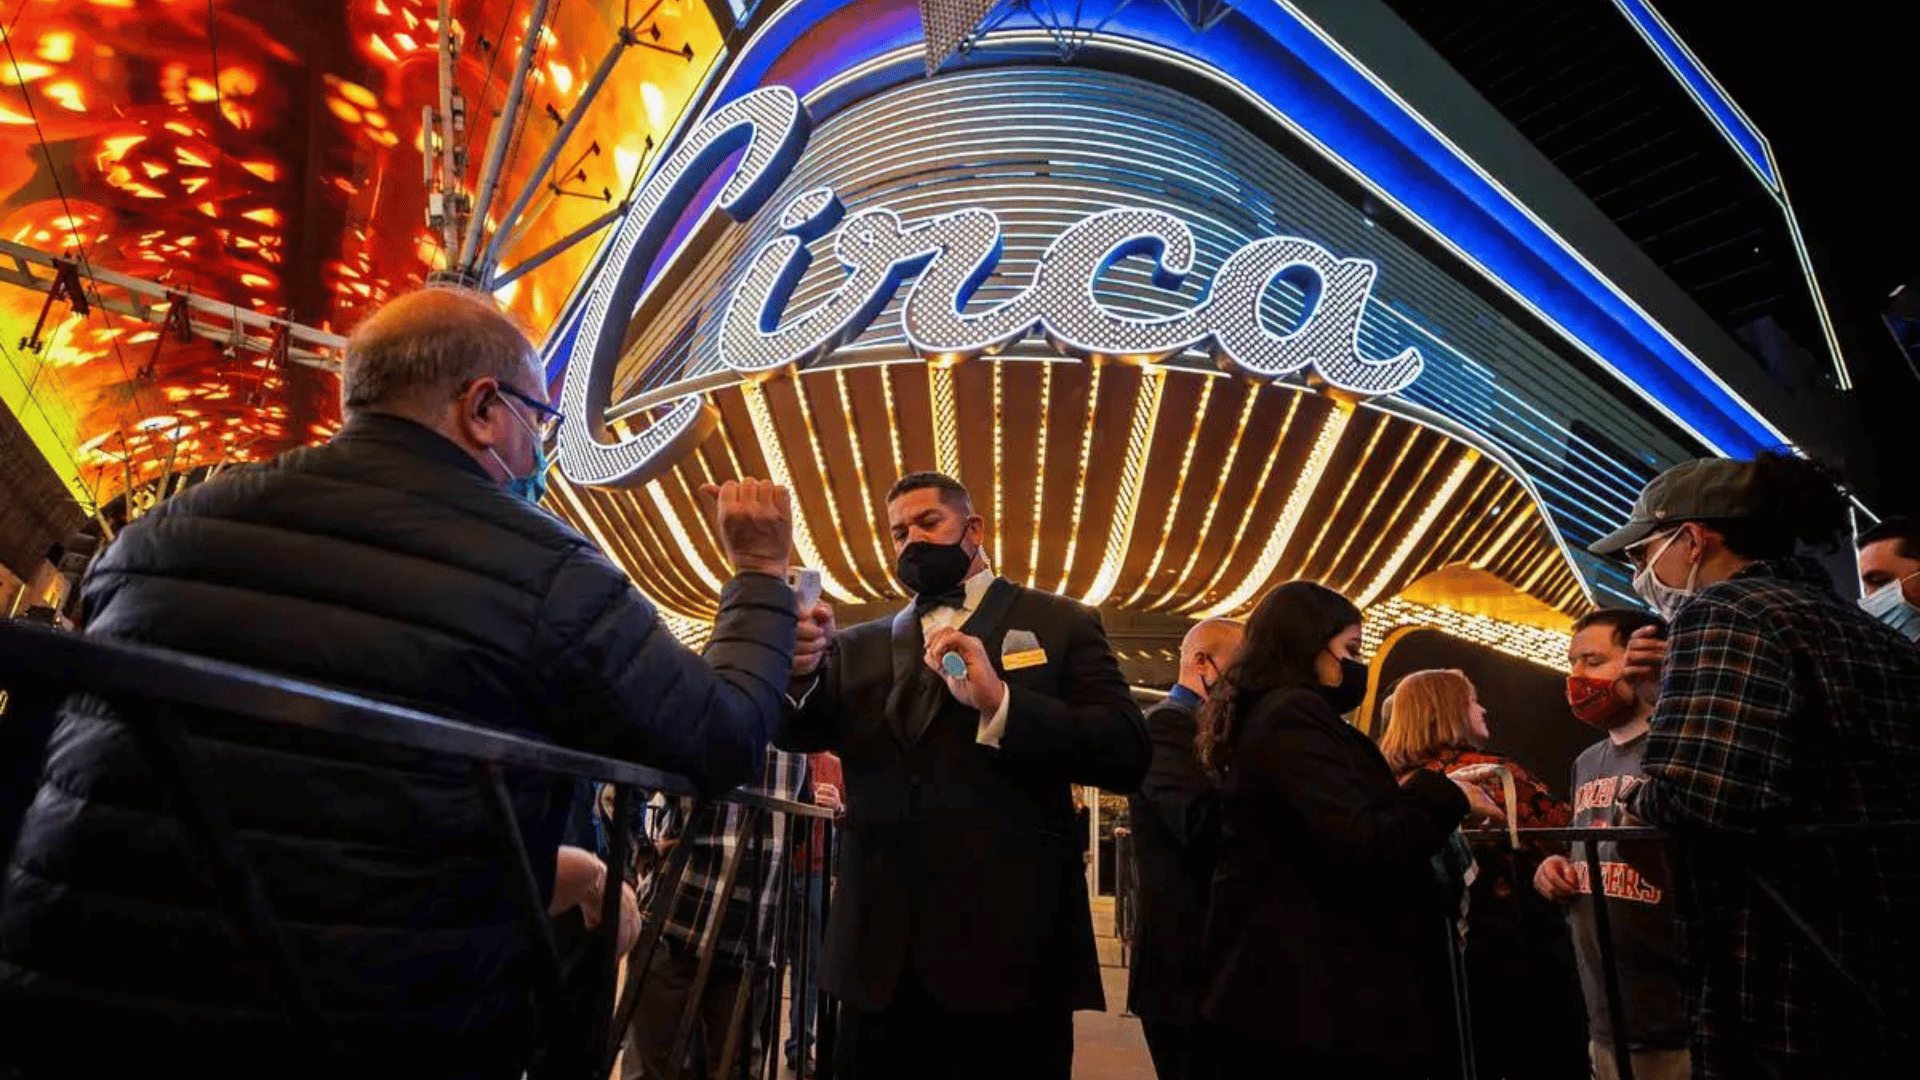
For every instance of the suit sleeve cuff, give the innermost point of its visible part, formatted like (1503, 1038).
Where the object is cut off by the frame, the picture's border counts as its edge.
(994, 728)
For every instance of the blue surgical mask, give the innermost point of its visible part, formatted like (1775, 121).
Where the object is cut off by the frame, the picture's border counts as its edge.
(1889, 604)
(533, 486)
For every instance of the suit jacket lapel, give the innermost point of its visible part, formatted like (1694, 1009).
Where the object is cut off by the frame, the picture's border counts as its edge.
(987, 619)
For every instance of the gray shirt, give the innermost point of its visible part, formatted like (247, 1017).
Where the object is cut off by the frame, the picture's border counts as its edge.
(1640, 908)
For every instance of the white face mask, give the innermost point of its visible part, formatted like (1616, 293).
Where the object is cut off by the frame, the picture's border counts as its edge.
(1888, 603)
(1662, 597)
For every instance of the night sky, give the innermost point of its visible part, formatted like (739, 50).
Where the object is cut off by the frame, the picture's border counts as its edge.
(1836, 98)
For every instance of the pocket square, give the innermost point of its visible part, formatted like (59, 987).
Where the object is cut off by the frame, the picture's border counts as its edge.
(1018, 641)
(1020, 649)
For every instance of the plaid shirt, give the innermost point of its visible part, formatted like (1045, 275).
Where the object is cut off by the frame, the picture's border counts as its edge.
(1784, 705)
(756, 885)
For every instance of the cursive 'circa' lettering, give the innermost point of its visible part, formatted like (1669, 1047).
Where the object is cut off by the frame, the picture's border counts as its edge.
(941, 261)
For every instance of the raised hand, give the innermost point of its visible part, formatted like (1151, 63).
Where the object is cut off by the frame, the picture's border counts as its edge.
(1646, 657)
(754, 519)
(981, 687)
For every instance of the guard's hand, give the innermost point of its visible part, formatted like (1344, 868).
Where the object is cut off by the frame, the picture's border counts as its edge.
(754, 520)
(1646, 657)
(811, 638)
(1556, 879)
(1481, 807)
(828, 796)
(981, 689)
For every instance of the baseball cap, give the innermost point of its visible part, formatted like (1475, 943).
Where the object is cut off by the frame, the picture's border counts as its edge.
(1710, 489)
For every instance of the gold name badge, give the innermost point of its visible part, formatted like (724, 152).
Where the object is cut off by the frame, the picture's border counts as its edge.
(1026, 659)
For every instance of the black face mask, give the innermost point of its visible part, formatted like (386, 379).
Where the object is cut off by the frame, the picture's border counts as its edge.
(930, 569)
(1351, 692)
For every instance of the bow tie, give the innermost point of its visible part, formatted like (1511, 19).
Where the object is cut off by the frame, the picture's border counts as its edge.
(925, 602)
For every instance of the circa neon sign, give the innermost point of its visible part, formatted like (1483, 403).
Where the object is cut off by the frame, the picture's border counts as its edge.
(945, 258)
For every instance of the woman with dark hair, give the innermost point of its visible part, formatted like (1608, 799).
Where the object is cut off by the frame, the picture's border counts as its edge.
(1783, 706)
(1326, 937)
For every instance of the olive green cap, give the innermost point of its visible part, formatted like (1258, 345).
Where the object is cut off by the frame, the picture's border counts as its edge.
(1711, 489)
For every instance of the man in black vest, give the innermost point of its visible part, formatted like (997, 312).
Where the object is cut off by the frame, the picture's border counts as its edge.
(961, 939)
(1176, 842)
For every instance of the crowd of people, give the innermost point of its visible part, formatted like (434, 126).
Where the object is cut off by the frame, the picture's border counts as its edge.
(1310, 902)
(1769, 726)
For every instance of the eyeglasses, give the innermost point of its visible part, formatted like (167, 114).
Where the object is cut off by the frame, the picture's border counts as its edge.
(1638, 553)
(547, 418)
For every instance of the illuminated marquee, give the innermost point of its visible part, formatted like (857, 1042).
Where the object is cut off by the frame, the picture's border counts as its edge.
(947, 258)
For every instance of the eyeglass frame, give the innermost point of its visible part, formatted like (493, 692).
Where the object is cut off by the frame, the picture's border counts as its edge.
(549, 417)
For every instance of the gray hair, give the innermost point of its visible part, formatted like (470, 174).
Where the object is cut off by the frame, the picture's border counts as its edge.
(427, 346)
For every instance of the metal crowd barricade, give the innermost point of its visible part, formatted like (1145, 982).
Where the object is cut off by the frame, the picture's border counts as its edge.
(1590, 840)
(159, 692)
(1126, 893)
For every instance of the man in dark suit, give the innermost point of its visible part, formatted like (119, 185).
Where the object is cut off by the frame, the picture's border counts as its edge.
(961, 939)
(1176, 837)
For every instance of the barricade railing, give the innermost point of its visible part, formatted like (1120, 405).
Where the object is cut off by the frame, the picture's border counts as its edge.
(1587, 853)
(160, 694)
(1126, 893)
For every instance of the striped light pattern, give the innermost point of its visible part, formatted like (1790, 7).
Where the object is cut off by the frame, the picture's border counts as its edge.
(1546, 648)
(1299, 490)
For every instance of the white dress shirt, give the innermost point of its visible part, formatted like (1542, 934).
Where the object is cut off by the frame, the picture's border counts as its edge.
(992, 727)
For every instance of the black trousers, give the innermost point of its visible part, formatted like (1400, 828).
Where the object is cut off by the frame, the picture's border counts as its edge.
(1179, 1051)
(1237, 1056)
(916, 1038)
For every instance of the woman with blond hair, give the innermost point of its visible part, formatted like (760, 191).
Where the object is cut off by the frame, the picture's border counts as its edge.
(1522, 989)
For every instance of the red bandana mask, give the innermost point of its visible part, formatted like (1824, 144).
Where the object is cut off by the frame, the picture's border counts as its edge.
(1593, 700)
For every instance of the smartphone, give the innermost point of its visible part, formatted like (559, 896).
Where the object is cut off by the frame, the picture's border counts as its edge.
(805, 582)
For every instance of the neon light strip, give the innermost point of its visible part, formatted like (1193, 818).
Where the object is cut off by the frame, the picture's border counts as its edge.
(1146, 412)
(1246, 519)
(681, 538)
(1428, 515)
(1745, 137)
(1296, 505)
(946, 438)
(1213, 502)
(1407, 492)
(827, 493)
(1040, 471)
(1308, 560)
(1705, 90)
(893, 422)
(1080, 479)
(769, 436)
(1700, 367)
(997, 525)
(860, 470)
(1544, 647)
(1172, 502)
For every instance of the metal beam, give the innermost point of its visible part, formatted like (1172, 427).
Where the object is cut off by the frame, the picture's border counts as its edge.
(466, 259)
(490, 259)
(31, 268)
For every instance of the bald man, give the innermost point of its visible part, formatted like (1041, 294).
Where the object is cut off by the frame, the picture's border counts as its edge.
(403, 560)
(1176, 822)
